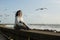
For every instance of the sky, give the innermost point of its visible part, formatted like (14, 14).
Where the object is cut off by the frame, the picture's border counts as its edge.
(51, 15)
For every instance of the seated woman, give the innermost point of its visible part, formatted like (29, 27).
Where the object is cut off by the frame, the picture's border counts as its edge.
(19, 23)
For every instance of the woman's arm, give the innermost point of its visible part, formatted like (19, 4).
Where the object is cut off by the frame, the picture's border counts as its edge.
(25, 25)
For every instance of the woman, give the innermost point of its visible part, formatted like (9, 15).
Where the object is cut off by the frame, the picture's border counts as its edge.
(19, 23)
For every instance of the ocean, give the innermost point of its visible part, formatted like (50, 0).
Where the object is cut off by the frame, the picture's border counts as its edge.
(41, 27)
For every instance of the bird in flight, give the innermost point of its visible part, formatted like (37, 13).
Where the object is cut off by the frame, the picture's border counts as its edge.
(40, 9)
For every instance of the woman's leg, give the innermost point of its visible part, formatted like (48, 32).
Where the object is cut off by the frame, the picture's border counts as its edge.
(26, 28)
(22, 27)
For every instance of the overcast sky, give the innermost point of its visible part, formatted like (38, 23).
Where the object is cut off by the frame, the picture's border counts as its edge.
(51, 15)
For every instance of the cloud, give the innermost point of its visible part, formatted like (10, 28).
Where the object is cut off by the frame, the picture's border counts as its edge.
(56, 1)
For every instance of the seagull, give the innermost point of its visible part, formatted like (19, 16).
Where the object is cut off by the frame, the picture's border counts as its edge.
(40, 9)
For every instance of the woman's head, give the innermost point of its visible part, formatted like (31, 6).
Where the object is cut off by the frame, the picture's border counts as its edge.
(19, 13)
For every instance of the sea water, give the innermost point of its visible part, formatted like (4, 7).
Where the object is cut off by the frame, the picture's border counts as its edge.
(57, 28)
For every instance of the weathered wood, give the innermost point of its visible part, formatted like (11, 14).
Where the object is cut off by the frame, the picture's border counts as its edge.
(30, 34)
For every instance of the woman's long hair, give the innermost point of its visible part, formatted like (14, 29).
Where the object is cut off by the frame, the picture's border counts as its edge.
(17, 13)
